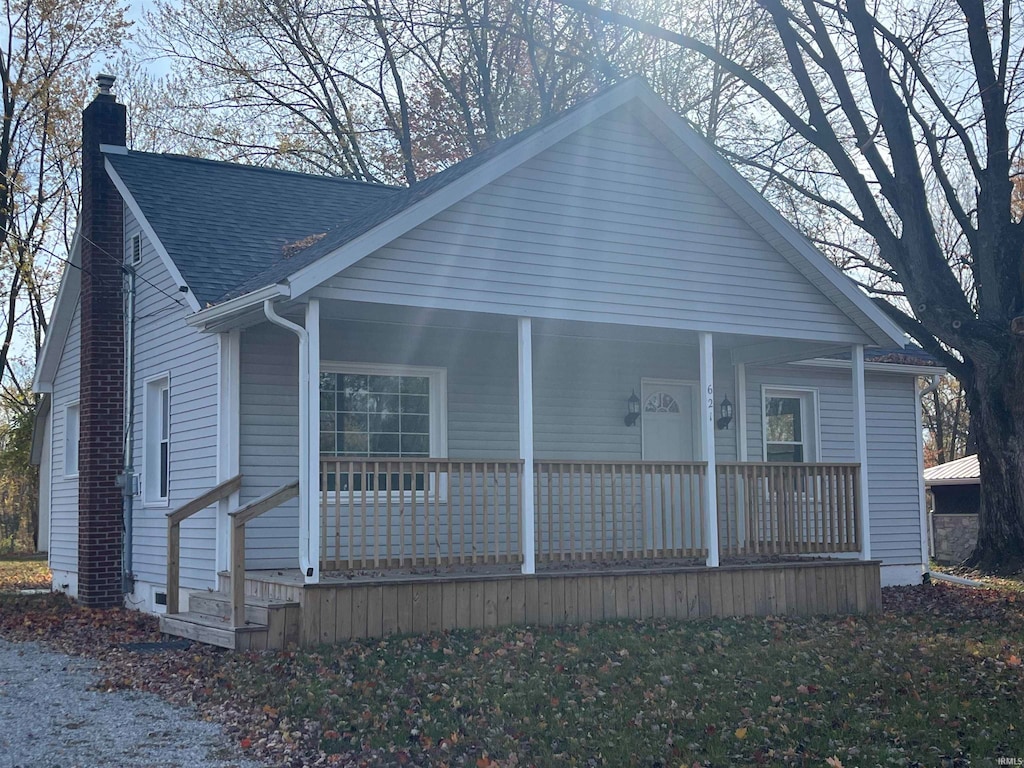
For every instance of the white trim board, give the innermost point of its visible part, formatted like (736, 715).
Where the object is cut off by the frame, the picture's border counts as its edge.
(133, 206)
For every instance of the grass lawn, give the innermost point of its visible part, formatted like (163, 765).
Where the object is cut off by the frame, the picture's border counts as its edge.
(18, 572)
(934, 680)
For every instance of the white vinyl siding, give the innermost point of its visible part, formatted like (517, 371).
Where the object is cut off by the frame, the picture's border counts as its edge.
(580, 392)
(63, 554)
(605, 226)
(894, 469)
(892, 435)
(167, 347)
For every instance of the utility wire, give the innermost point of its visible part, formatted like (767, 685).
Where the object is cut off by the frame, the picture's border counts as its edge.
(124, 267)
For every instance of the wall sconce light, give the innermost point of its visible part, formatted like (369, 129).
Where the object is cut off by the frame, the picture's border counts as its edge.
(724, 414)
(632, 409)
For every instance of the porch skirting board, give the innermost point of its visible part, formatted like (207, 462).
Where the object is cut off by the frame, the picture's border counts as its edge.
(344, 611)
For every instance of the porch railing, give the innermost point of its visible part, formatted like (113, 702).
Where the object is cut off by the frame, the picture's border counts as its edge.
(386, 513)
(409, 512)
(787, 508)
(174, 521)
(619, 510)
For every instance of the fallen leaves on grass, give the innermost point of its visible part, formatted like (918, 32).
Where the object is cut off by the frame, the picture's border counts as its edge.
(21, 572)
(934, 680)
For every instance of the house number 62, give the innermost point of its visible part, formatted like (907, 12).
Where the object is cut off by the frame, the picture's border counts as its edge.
(711, 402)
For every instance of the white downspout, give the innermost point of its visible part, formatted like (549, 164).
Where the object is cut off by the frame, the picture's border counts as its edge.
(310, 565)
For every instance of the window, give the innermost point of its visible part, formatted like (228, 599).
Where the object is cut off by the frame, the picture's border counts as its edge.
(158, 440)
(382, 412)
(661, 402)
(72, 432)
(790, 425)
(135, 252)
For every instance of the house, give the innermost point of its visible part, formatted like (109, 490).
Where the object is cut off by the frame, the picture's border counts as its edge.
(587, 373)
(955, 489)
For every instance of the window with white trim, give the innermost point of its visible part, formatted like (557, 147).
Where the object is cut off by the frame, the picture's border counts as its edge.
(72, 432)
(790, 425)
(382, 411)
(157, 441)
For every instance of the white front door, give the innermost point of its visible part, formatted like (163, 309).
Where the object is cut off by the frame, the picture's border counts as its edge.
(666, 414)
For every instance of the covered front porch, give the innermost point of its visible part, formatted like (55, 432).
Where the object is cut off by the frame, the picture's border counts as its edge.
(413, 445)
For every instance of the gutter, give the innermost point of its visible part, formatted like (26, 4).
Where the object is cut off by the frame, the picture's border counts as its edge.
(211, 315)
(308, 562)
(920, 370)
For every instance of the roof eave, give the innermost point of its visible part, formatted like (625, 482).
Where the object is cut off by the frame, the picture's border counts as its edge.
(60, 321)
(154, 240)
(220, 315)
(953, 481)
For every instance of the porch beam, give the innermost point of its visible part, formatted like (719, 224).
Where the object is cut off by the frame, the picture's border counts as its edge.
(860, 448)
(786, 351)
(311, 509)
(707, 441)
(526, 491)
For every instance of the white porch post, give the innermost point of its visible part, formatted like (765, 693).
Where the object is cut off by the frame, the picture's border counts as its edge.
(741, 447)
(310, 510)
(228, 369)
(526, 499)
(860, 448)
(707, 441)
(741, 411)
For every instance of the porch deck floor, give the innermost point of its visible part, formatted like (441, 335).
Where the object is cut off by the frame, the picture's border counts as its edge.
(292, 577)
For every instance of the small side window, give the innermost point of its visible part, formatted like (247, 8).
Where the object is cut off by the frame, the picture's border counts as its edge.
(790, 426)
(72, 430)
(157, 473)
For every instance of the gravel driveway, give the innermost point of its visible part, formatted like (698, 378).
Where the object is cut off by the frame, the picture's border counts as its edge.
(48, 719)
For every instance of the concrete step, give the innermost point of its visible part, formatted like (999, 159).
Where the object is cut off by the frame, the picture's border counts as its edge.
(213, 630)
(218, 604)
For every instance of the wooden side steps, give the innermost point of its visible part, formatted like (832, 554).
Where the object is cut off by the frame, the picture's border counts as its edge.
(269, 623)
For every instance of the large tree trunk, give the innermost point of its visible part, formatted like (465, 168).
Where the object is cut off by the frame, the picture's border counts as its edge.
(996, 397)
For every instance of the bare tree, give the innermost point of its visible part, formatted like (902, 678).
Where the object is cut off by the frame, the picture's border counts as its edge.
(947, 423)
(910, 113)
(315, 82)
(44, 71)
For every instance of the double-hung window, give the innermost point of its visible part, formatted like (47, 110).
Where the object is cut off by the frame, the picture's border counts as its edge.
(157, 472)
(382, 412)
(790, 425)
(71, 436)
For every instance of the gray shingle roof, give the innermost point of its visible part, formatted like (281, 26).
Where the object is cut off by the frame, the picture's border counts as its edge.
(223, 223)
(911, 354)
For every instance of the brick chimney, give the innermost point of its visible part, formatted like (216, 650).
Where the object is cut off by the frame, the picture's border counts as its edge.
(101, 397)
